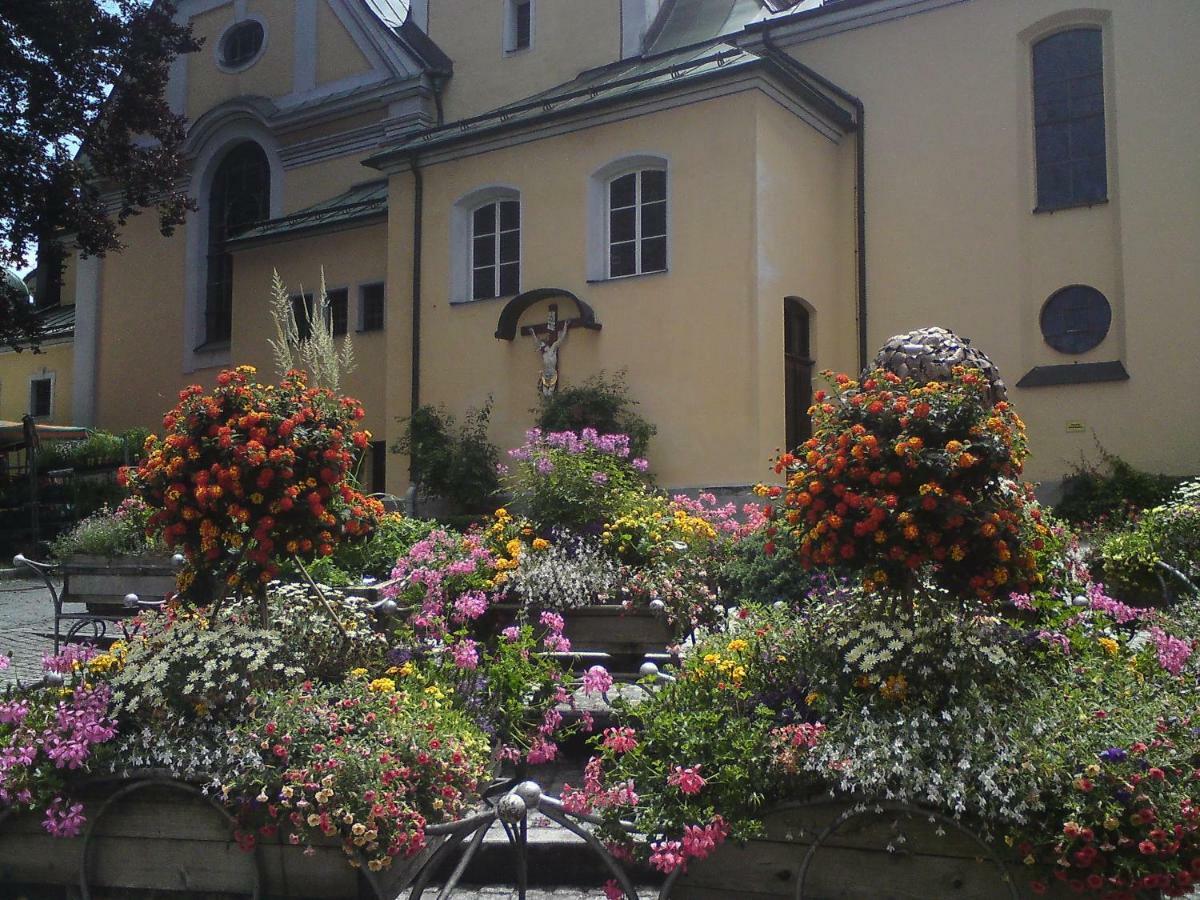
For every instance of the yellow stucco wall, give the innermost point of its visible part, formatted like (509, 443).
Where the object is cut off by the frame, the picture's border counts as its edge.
(338, 55)
(568, 37)
(17, 368)
(686, 337)
(350, 259)
(952, 238)
(270, 76)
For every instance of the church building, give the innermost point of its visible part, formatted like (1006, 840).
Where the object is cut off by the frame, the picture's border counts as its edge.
(720, 198)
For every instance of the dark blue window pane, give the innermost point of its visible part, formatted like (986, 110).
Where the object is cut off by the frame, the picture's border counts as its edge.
(654, 219)
(339, 310)
(485, 251)
(372, 307)
(484, 285)
(622, 259)
(485, 219)
(510, 279)
(623, 191)
(510, 215)
(654, 254)
(654, 185)
(510, 246)
(1068, 112)
(623, 225)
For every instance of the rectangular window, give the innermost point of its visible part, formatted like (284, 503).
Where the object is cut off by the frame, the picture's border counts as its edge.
(1068, 118)
(302, 312)
(371, 306)
(496, 250)
(637, 223)
(41, 397)
(338, 311)
(378, 467)
(520, 25)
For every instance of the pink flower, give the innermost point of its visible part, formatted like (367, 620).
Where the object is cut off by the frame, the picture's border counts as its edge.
(1173, 653)
(699, 842)
(62, 820)
(472, 604)
(619, 740)
(640, 464)
(667, 856)
(597, 681)
(466, 654)
(542, 751)
(687, 780)
(511, 633)
(612, 891)
(4, 662)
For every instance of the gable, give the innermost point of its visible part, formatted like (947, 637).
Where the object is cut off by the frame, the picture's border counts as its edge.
(310, 50)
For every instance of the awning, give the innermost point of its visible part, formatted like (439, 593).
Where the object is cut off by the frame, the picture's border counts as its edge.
(12, 434)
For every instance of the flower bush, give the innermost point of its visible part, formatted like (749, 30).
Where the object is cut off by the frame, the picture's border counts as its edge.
(361, 762)
(250, 473)
(900, 476)
(49, 733)
(568, 481)
(124, 531)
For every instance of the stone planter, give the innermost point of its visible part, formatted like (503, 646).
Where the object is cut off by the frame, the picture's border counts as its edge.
(162, 838)
(887, 852)
(102, 582)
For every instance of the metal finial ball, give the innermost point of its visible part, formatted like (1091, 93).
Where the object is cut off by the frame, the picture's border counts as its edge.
(131, 601)
(179, 560)
(388, 607)
(53, 679)
(657, 605)
(19, 559)
(511, 809)
(530, 792)
(779, 604)
(648, 670)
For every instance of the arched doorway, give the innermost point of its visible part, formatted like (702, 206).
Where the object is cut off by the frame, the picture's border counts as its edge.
(797, 370)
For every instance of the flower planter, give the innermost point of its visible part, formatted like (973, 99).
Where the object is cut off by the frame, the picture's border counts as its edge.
(164, 836)
(102, 582)
(852, 859)
(372, 593)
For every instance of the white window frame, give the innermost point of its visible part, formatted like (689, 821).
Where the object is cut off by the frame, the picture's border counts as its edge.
(362, 306)
(599, 219)
(219, 44)
(42, 376)
(462, 244)
(510, 26)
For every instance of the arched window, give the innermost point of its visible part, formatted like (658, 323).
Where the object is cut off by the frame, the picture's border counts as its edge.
(240, 196)
(485, 244)
(1068, 116)
(797, 371)
(637, 223)
(496, 249)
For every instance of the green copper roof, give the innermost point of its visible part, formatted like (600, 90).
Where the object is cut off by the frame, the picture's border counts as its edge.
(351, 207)
(15, 282)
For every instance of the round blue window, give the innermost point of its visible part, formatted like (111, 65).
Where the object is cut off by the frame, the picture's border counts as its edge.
(1076, 319)
(241, 43)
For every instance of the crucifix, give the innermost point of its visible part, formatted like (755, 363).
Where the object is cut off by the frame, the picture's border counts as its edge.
(548, 342)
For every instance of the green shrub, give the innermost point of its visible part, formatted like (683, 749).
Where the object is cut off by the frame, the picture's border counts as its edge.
(1110, 491)
(601, 403)
(99, 448)
(457, 464)
(108, 532)
(1165, 534)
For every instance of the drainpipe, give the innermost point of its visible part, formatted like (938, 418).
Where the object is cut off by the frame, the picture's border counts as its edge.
(802, 71)
(418, 215)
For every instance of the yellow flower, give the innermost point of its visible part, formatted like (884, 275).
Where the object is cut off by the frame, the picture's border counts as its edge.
(894, 688)
(358, 672)
(382, 686)
(737, 645)
(541, 544)
(812, 698)
(501, 513)
(1111, 647)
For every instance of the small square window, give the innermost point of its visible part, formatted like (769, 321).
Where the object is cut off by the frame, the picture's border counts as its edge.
(371, 307)
(41, 397)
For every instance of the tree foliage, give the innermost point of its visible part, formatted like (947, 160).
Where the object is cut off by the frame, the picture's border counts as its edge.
(87, 138)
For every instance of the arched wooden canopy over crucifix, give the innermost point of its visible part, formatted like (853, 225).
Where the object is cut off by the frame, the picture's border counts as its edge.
(550, 336)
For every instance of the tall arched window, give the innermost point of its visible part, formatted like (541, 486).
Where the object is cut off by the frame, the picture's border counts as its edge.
(1068, 118)
(496, 249)
(240, 196)
(637, 223)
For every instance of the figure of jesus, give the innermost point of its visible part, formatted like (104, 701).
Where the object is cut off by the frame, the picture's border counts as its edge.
(548, 348)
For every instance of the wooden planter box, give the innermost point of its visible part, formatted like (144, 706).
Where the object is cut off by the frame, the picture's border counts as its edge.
(607, 629)
(163, 841)
(101, 581)
(854, 862)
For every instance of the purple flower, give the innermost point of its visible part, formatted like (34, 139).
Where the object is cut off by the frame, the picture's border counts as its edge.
(63, 820)
(1114, 755)
(640, 464)
(600, 477)
(466, 654)
(544, 465)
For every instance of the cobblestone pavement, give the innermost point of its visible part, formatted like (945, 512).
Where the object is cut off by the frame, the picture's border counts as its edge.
(26, 615)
